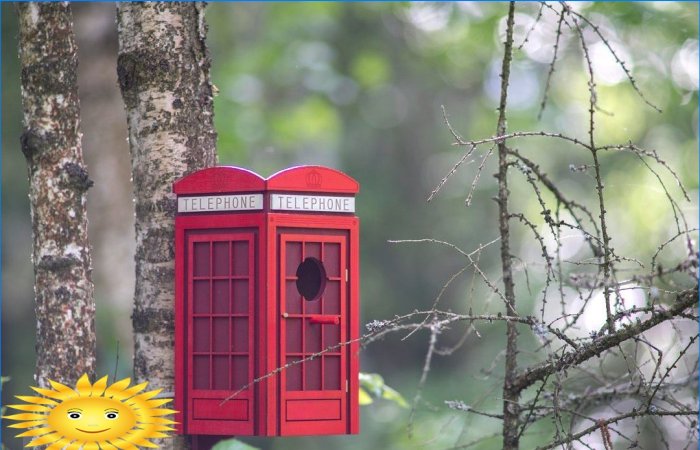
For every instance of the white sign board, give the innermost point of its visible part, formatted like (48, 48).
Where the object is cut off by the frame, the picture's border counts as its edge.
(238, 202)
(315, 203)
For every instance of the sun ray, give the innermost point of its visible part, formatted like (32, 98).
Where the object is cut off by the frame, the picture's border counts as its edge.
(58, 445)
(46, 439)
(123, 445)
(62, 388)
(117, 387)
(25, 416)
(162, 412)
(30, 408)
(75, 445)
(58, 395)
(99, 387)
(30, 424)
(36, 400)
(157, 402)
(83, 386)
(93, 416)
(35, 432)
(128, 393)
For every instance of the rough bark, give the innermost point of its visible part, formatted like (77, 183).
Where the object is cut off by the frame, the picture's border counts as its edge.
(163, 71)
(511, 396)
(58, 183)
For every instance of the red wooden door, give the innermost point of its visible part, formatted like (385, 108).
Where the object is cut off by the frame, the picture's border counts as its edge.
(220, 311)
(313, 307)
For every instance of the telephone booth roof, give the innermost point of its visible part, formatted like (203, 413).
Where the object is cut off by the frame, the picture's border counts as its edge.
(222, 179)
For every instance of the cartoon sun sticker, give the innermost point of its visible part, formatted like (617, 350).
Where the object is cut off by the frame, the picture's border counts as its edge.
(93, 416)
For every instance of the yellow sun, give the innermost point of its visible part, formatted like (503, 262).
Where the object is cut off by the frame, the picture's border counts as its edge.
(93, 416)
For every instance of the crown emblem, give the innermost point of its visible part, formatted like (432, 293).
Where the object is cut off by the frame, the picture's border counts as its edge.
(313, 179)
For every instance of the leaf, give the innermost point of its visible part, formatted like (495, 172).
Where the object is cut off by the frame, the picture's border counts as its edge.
(365, 398)
(373, 385)
(233, 444)
(394, 396)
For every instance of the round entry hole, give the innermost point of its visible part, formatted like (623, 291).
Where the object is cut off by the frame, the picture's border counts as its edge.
(311, 279)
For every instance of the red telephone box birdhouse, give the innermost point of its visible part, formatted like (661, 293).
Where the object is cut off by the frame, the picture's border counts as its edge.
(266, 298)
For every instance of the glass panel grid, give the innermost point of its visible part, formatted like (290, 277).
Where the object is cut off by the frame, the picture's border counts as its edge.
(304, 339)
(221, 317)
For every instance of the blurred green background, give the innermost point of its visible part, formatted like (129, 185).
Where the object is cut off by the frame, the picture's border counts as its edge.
(359, 87)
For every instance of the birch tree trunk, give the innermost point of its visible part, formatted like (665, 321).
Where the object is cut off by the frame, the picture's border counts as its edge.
(163, 70)
(58, 183)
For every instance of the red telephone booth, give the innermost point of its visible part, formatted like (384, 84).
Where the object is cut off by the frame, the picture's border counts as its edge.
(267, 277)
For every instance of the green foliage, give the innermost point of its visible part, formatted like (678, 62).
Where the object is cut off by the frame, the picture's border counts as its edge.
(372, 385)
(233, 444)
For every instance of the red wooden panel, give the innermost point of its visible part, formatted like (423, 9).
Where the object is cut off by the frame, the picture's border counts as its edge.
(213, 409)
(312, 179)
(221, 332)
(306, 329)
(313, 409)
(218, 180)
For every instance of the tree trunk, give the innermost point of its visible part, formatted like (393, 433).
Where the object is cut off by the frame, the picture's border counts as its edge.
(511, 396)
(163, 70)
(58, 183)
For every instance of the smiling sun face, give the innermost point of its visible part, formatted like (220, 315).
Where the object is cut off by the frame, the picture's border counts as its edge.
(93, 416)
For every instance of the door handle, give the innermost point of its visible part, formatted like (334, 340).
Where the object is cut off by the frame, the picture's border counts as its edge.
(325, 320)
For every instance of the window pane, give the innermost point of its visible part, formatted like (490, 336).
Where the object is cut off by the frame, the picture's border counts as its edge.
(331, 373)
(331, 298)
(293, 374)
(201, 259)
(240, 296)
(240, 258)
(221, 334)
(313, 337)
(201, 372)
(313, 374)
(313, 250)
(240, 335)
(293, 335)
(293, 258)
(331, 259)
(221, 260)
(331, 337)
(220, 293)
(292, 298)
(239, 371)
(201, 296)
(221, 372)
(201, 335)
